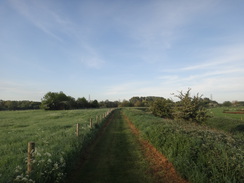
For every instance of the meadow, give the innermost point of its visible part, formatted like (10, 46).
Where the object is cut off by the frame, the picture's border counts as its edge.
(54, 133)
(233, 123)
(212, 152)
(199, 153)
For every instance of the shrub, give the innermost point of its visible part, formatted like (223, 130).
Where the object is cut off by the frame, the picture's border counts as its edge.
(162, 108)
(190, 108)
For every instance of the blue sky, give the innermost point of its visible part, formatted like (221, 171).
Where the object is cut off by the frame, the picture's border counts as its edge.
(117, 49)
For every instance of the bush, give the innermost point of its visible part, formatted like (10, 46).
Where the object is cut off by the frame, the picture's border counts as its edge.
(162, 108)
(190, 108)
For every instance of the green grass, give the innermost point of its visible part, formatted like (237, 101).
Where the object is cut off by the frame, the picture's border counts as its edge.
(54, 135)
(218, 112)
(115, 158)
(199, 153)
(233, 123)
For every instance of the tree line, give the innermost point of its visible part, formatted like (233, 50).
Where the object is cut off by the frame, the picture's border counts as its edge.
(19, 105)
(60, 101)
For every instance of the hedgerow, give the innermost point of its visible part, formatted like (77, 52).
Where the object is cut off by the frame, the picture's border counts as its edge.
(199, 153)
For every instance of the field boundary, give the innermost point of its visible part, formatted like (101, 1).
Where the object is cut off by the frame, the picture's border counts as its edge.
(85, 154)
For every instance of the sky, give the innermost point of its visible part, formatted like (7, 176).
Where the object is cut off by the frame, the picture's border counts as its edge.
(117, 49)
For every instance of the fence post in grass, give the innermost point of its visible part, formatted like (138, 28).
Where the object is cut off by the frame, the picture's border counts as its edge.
(77, 129)
(90, 122)
(31, 149)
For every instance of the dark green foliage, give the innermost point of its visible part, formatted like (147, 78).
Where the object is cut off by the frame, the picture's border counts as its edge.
(143, 101)
(82, 103)
(94, 104)
(18, 105)
(125, 103)
(226, 104)
(162, 108)
(108, 104)
(57, 101)
(190, 108)
(60, 101)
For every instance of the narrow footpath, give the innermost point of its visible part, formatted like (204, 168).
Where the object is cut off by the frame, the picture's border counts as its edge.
(120, 156)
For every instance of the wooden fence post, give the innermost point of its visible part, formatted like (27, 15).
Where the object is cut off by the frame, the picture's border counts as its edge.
(90, 122)
(31, 149)
(77, 129)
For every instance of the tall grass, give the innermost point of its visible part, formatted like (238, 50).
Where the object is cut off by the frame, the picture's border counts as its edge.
(57, 146)
(199, 153)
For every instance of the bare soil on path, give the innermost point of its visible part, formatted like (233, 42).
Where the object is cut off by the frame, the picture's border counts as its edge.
(120, 155)
(159, 166)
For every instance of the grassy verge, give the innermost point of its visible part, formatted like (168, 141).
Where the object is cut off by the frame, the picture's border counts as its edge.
(115, 158)
(199, 153)
(57, 146)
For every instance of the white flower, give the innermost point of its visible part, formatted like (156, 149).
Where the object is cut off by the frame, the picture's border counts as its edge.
(48, 154)
(55, 166)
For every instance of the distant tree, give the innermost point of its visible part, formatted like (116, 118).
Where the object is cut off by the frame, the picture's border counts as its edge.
(227, 104)
(125, 103)
(138, 103)
(241, 103)
(108, 104)
(18, 105)
(133, 100)
(82, 103)
(57, 101)
(143, 101)
(94, 104)
(2, 107)
(11, 105)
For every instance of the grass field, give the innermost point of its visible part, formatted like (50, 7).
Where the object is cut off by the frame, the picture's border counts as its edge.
(199, 153)
(54, 135)
(233, 123)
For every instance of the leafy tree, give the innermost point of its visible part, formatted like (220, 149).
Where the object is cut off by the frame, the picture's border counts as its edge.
(138, 103)
(108, 104)
(57, 101)
(162, 107)
(190, 108)
(94, 104)
(227, 104)
(82, 103)
(125, 103)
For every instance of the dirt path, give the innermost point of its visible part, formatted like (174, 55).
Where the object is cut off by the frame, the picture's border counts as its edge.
(160, 168)
(120, 156)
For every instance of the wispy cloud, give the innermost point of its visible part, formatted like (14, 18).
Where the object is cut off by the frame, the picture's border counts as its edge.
(156, 25)
(43, 17)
